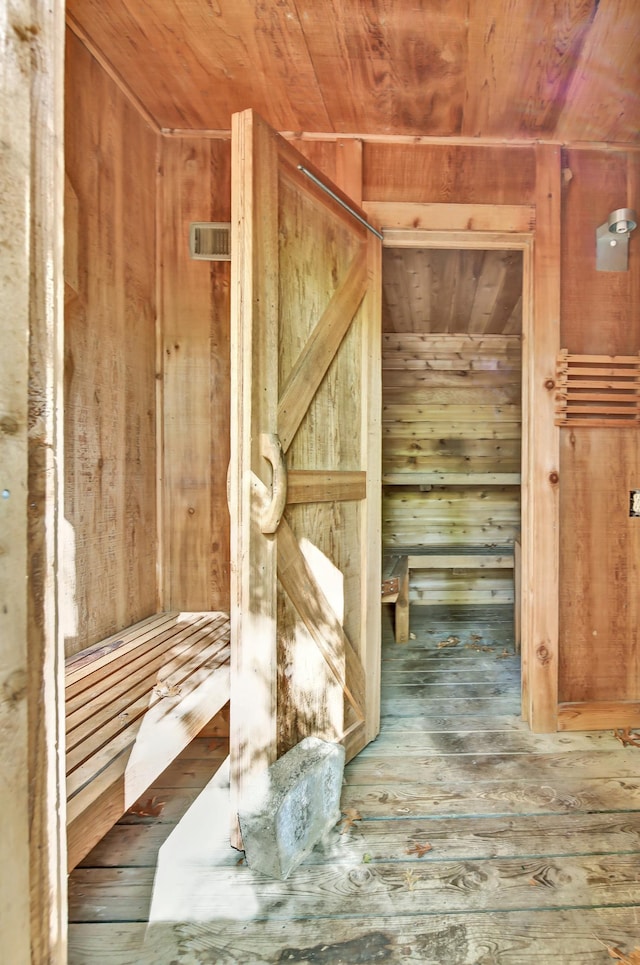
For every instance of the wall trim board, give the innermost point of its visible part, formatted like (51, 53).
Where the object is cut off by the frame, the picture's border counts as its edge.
(534, 605)
(508, 218)
(541, 556)
(466, 239)
(159, 370)
(598, 715)
(441, 140)
(110, 70)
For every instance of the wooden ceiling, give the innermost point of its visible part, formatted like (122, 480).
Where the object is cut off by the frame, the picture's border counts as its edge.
(474, 292)
(566, 70)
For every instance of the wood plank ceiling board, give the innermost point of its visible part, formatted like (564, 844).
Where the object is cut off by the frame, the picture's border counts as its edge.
(403, 62)
(192, 63)
(523, 58)
(603, 98)
(436, 290)
(446, 68)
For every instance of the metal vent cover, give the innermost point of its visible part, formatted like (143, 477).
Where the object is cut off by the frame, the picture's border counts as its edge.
(210, 240)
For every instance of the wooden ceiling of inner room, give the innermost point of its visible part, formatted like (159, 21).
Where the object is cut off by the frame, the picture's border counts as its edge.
(559, 69)
(433, 290)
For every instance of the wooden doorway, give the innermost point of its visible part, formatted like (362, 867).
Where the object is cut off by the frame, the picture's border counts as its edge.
(451, 422)
(521, 242)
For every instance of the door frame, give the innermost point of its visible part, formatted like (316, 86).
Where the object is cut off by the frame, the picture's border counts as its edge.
(534, 230)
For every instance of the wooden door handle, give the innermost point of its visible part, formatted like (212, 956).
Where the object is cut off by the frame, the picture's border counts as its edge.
(271, 449)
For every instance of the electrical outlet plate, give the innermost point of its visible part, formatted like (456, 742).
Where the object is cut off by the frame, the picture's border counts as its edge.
(634, 502)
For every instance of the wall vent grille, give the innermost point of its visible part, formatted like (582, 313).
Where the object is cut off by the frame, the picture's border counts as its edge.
(210, 240)
(598, 390)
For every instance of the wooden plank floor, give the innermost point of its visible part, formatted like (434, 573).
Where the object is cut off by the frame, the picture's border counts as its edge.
(472, 840)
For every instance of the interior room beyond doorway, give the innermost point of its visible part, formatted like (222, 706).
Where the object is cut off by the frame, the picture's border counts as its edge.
(452, 421)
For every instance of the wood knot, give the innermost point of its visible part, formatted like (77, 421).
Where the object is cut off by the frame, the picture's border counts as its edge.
(543, 655)
(191, 511)
(549, 384)
(9, 425)
(554, 478)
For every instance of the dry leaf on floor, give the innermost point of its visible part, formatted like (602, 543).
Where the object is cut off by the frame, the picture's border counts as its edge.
(410, 879)
(627, 737)
(476, 636)
(350, 816)
(505, 653)
(163, 689)
(419, 849)
(449, 642)
(151, 808)
(412, 636)
(633, 958)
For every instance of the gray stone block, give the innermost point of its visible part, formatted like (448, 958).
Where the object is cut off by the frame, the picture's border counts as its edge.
(293, 807)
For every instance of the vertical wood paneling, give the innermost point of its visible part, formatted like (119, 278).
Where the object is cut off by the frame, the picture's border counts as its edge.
(110, 453)
(32, 880)
(600, 566)
(540, 541)
(600, 543)
(195, 186)
(600, 309)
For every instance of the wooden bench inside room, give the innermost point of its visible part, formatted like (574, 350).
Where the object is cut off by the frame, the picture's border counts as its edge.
(397, 569)
(133, 703)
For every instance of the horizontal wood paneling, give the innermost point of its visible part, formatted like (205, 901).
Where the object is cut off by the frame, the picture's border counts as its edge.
(453, 435)
(110, 452)
(195, 186)
(457, 174)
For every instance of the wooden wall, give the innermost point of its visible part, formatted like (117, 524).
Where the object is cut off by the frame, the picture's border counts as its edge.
(600, 543)
(110, 386)
(452, 411)
(195, 186)
(111, 159)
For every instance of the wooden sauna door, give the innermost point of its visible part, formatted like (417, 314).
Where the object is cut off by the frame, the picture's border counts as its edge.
(304, 482)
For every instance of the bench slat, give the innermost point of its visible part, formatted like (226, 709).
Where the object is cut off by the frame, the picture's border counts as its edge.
(108, 691)
(111, 648)
(122, 733)
(133, 648)
(108, 735)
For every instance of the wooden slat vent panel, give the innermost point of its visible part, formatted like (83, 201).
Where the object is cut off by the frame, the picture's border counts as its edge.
(598, 390)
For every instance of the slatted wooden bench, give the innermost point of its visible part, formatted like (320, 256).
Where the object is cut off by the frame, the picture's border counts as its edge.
(437, 558)
(133, 703)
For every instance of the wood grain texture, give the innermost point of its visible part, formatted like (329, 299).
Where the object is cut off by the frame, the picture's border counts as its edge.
(541, 562)
(444, 438)
(524, 65)
(194, 186)
(529, 859)
(491, 69)
(32, 883)
(110, 446)
(437, 290)
(600, 309)
(601, 565)
(135, 712)
(442, 174)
